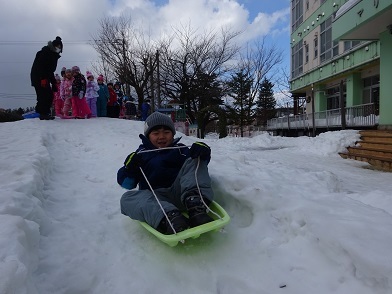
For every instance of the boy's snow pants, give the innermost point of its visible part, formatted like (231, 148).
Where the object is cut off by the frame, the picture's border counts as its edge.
(141, 204)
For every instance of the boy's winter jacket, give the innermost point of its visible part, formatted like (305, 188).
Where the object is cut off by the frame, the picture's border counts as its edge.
(160, 167)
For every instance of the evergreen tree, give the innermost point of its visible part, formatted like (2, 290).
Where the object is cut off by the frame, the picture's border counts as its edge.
(241, 112)
(266, 103)
(205, 95)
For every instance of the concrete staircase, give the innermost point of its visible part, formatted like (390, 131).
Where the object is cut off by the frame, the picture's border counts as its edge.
(375, 147)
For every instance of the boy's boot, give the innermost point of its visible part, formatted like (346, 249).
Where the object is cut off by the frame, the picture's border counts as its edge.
(197, 211)
(178, 221)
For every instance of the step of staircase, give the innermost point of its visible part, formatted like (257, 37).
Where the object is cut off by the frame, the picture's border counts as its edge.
(375, 148)
(372, 145)
(375, 152)
(374, 136)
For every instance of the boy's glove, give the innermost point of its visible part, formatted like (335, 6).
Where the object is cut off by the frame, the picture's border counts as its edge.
(81, 95)
(44, 83)
(133, 161)
(200, 149)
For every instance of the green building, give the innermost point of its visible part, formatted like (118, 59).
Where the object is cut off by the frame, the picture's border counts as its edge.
(341, 65)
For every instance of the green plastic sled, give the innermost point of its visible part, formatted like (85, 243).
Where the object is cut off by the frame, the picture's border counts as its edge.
(215, 225)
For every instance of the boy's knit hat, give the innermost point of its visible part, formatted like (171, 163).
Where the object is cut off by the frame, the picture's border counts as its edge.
(158, 119)
(100, 78)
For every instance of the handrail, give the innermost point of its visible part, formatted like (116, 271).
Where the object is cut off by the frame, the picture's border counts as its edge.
(363, 115)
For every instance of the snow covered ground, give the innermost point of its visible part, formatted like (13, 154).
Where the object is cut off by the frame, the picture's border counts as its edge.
(304, 220)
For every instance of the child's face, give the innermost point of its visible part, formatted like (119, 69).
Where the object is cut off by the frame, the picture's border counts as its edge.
(90, 78)
(161, 138)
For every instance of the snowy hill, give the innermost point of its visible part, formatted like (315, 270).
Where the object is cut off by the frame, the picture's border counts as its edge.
(303, 219)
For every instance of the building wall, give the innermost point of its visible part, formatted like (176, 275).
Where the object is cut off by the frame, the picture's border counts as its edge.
(369, 58)
(386, 79)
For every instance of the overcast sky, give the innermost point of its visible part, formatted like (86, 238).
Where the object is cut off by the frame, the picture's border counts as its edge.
(27, 26)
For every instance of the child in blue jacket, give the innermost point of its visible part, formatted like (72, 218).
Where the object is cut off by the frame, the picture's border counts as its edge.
(171, 174)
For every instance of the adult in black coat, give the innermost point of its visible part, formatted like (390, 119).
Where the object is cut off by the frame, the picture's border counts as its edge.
(42, 76)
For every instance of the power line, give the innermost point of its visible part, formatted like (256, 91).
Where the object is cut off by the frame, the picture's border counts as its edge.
(14, 96)
(80, 42)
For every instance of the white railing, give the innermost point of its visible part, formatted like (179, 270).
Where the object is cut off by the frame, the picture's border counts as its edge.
(356, 116)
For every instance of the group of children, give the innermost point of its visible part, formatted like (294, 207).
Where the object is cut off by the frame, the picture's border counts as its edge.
(81, 97)
(75, 96)
(78, 97)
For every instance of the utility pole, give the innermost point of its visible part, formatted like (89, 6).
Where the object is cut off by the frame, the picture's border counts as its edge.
(125, 65)
(152, 86)
(158, 81)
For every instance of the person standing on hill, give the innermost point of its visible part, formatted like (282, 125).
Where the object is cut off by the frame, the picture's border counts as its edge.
(130, 109)
(92, 89)
(113, 110)
(42, 76)
(58, 103)
(146, 109)
(66, 92)
(80, 108)
(103, 97)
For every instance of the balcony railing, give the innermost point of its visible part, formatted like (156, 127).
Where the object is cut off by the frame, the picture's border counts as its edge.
(356, 116)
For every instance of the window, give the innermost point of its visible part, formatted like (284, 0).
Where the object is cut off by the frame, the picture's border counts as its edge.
(371, 91)
(306, 53)
(350, 44)
(296, 60)
(333, 97)
(335, 48)
(296, 14)
(326, 45)
(315, 42)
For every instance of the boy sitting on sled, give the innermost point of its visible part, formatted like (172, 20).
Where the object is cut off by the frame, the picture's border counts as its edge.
(171, 174)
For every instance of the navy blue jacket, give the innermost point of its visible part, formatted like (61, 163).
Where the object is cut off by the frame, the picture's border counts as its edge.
(160, 167)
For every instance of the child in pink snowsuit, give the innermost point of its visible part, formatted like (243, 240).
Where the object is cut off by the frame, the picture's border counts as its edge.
(80, 108)
(66, 92)
(92, 93)
(57, 101)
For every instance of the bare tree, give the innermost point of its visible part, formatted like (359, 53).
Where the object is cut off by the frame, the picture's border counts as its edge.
(127, 53)
(283, 85)
(258, 62)
(192, 65)
(285, 99)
